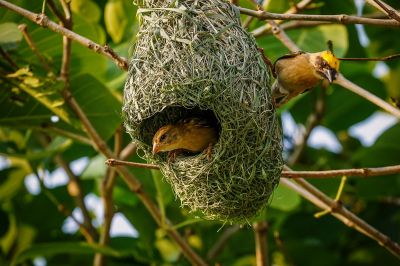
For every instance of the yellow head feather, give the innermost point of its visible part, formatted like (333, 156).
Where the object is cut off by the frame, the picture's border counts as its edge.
(330, 59)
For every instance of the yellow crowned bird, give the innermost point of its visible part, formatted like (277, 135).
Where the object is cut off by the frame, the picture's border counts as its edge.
(299, 72)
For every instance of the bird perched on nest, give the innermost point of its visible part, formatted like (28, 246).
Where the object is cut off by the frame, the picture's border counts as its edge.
(187, 135)
(300, 71)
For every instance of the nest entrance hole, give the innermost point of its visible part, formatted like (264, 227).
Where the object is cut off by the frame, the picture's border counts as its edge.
(171, 115)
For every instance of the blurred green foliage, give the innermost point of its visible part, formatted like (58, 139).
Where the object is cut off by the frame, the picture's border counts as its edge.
(31, 225)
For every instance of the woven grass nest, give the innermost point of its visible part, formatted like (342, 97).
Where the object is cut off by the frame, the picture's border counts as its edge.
(193, 58)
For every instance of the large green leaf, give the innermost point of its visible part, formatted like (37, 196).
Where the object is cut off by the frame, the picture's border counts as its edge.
(385, 151)
(9, 33)
(98, 103)
(285, 199)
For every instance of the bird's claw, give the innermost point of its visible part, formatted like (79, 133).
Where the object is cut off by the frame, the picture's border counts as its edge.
(209, 151)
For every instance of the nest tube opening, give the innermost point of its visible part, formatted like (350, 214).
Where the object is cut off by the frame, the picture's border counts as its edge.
(201, 61)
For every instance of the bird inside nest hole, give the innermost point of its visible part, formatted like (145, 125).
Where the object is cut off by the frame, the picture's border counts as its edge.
(188, 133)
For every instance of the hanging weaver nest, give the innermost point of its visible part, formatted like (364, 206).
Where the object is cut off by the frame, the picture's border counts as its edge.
(193, 58)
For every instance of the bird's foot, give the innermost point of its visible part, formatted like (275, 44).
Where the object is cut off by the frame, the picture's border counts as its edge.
(172, 155)
(208, 151)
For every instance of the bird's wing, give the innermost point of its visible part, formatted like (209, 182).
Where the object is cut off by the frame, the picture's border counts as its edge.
(196, 121)
(287, 56)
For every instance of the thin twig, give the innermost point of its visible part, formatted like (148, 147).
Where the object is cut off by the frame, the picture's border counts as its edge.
(364, 172)
(65, 63)
(107, 187)
(281, 246)
(247, 21)
(313, 120)
(293, 10)
(261, 232)
(32, 45)
(115, 162)
(64, 210)
(385, 58)
(44, 21)
(56, 12)
(295, 25)
(337, 198)
(128, 151)
(283, 37)
(75, 191)
(342, 19)
(324, 202)
(65, 133)
(390, 11)
(7, 57)
(350, 219)
(342, 81)
(44, 6)
(216, 249)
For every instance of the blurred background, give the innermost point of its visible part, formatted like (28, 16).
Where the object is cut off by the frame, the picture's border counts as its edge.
(43, 147)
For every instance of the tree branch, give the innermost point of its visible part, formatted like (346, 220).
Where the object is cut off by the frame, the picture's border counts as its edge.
(107, 187)
(32, 45)
(390, 11)
(293, 10)
(64, 210)
(75, 191)
(5, 55)
(216, 249)
(313, 120)
(283, 37)
(324, 202)
(44, 21)
(364, 172)
(261, 232)
(115, 162)
(345, 83)
(128, 151)
(341, 19)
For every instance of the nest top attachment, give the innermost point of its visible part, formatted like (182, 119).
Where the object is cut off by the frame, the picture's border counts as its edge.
(193, 58)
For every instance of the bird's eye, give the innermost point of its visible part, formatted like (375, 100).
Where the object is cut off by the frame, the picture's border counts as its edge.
(163, 137)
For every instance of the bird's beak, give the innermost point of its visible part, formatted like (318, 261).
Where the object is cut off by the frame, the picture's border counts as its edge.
(156, 149)
(330, 74)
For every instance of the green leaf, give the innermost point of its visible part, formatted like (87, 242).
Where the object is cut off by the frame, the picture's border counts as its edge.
(51, 249)
(115, 18)
(98, 103)
(87, 9)
(44, 91)
(385, 151)
(96, 168)
(315, 39)
(285, 199)
(85, 60)
(9, 33)
(19, 109)
(11, 181)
